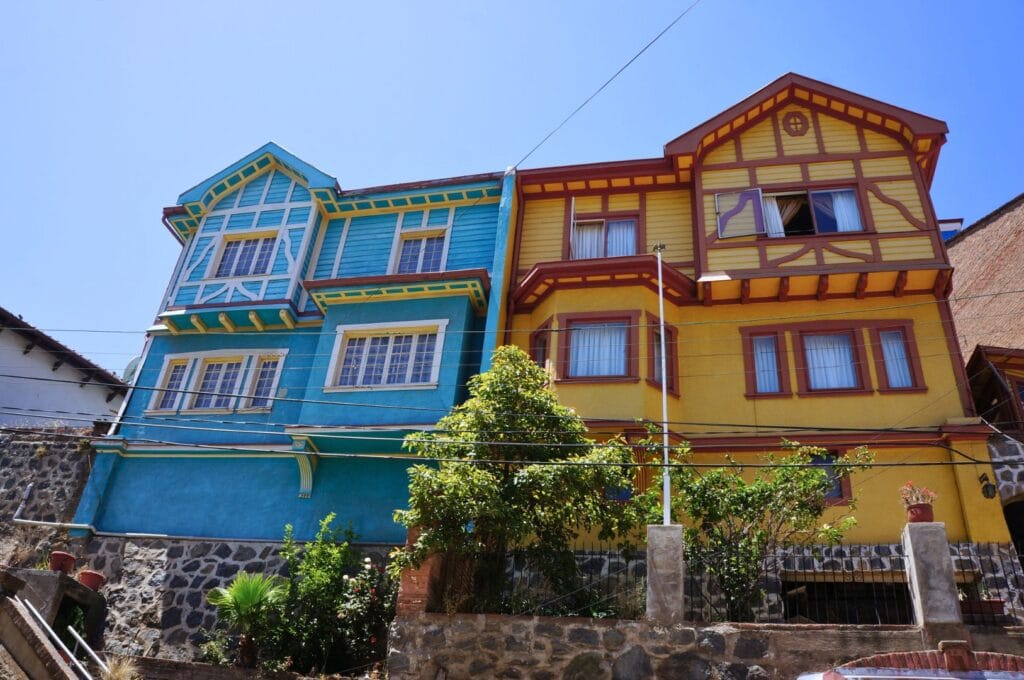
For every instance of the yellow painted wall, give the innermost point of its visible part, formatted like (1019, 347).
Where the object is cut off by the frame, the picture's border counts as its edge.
(543, 221)
(711, 369)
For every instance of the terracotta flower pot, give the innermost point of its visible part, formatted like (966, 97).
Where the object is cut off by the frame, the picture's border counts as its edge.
(91, 579)
(62, 561)
(920, 512)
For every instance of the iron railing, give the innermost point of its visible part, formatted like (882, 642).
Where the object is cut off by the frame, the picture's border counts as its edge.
(990, 581)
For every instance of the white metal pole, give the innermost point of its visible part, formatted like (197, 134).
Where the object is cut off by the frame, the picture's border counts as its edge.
(666, 486)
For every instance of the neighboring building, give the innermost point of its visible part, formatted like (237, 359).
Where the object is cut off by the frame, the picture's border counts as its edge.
(44, 383)
(806, 296)
(301, 322)
(988, 306)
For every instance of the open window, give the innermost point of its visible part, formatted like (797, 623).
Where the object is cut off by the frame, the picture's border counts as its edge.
(787, 213)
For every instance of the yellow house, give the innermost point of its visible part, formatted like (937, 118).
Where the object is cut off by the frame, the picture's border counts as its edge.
(805, 288)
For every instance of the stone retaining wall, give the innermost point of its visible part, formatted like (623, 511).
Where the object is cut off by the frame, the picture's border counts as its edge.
(58, 466)
(539, 648)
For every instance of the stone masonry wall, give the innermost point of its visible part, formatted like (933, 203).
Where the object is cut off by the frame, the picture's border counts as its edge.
(539, 648)
(1010, 478)
(59, 467)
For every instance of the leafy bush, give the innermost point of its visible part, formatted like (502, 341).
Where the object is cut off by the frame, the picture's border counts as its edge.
(249, 605)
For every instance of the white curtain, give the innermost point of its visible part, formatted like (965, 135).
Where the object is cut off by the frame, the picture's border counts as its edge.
(830, 361)
(597, 349)
(773, 225)
(844, 204)
(621, 238)
(587, 241)
(766, 365)
(897, 368)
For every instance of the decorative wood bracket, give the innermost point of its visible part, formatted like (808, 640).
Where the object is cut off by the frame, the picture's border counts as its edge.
(306, 459)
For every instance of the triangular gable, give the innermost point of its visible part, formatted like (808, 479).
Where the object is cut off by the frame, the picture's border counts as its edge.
(256, 166)
(925, 135)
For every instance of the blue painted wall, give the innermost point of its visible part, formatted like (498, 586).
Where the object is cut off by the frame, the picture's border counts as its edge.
(251, 498)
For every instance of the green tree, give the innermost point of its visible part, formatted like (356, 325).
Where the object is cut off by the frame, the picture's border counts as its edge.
(735, 520)
(246, 605)
(511, 429)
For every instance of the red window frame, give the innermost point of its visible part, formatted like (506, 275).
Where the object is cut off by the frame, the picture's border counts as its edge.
(750, 365)
(860, 361)
(540, 339)
(671, 354)
(604, 214)
(913, 358)
(565, 322)
(845, 485)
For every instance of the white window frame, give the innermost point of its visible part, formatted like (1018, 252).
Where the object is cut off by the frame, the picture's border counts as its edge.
(603, 221)
(254, 371)
(345, 331)
(194, 362)
(404, 232)
(240, 235)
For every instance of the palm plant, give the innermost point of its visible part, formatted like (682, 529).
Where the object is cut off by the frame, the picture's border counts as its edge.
(245, 604)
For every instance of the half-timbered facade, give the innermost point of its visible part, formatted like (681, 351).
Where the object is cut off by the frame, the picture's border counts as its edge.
(805, 287)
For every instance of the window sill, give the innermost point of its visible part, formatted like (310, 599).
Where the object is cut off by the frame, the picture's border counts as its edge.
(598, 379)
(330, 389)
(902, 390)
(654, 383)
(832, 235)
(187, 411)
(837, 502)
(837, 392)
(768, 395)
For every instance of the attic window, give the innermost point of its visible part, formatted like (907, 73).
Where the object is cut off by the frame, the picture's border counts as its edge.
(788, 213)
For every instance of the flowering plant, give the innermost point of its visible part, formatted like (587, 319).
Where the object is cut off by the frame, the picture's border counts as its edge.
(916, 495)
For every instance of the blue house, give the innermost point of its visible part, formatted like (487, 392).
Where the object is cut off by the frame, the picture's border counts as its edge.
(306, 330)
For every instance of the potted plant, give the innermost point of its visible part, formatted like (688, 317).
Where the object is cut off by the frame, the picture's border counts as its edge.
(93, 580)
(918, 502)
(62, 561)
(978, 605)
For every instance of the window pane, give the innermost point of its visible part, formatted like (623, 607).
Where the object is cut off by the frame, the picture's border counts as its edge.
(897, 367)
(350, 363)
(401, 349)
(227, 260)
(423, 365)
(766, 364)
(433, 249)
(264, 382)
(262, 265)
(621, 238)
(208, 385)
(540, 348)
(836, 211)
(597, 349)
(376, 355)
(587, 241)
(172, 386)
(656, 339)
(835, 492)
(409, 258)
(228, 383)
(245, 257)
(830, 361)
(824, 213)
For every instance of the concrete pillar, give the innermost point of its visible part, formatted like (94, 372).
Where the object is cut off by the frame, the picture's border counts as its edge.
(932, 582)
(665, 576)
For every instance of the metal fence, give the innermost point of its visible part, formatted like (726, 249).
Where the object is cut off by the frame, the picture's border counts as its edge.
(837, 584)
(597, 580)
(990, 582)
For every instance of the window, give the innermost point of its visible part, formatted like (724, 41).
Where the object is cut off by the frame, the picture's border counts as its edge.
(598, 346)
(602, 238)
(174, 377)
(827, 463)
(830, 361)
(387, 357)
(217, 383)
(246, 257)
(216, 380)
(788, 213)
(420, 254)
(766, 364)
(540, 344)
(897, 364)
(654, 354)
(263, 386)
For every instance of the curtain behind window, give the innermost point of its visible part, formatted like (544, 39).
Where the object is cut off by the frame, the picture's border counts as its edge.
(621, 238)
(773, 225)
(597, 349)
(587, 241)
(897, 367)
(844, 205)
(830, 361)
(766, 365)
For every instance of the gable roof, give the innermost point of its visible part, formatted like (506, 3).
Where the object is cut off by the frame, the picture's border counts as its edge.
(988, 219)
(315, 178)
(63, 353)
(925, 134)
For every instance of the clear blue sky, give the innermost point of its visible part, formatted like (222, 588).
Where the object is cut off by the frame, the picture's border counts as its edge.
(110, 109)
